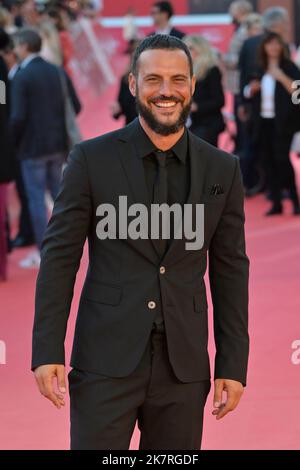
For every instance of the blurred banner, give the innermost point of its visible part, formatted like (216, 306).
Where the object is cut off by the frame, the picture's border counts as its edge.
(99, 45)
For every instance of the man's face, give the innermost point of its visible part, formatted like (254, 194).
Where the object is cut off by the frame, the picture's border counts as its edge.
(281, 28)
(163, 89)
(160, 19)
(21, 51)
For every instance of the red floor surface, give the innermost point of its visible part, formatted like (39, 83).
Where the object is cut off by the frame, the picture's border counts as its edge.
(268, 416)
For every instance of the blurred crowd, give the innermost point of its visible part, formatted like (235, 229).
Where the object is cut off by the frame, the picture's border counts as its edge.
(257, 72)
(248, 89)
(38, 123)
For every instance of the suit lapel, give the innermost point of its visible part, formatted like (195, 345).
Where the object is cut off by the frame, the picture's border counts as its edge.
(134, 170)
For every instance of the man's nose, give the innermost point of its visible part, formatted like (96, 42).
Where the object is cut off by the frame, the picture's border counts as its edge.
(166, 88)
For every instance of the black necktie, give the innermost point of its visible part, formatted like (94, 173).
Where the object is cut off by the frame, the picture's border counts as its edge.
(160, 194)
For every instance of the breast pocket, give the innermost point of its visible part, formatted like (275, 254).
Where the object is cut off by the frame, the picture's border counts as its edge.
(102, 293)
(213, 198)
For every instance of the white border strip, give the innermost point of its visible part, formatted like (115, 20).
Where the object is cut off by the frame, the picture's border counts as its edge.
(182, 20)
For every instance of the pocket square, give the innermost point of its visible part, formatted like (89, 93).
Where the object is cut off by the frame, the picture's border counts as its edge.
(216, 189)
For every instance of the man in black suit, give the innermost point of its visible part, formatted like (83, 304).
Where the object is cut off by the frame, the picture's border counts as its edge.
(140, 347)
(162, 13)
(25, 236)
(38, 128)
(7, 167)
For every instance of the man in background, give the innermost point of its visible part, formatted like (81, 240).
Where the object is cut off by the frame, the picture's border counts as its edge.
(162, 13)
(38, 130)
(25, 236)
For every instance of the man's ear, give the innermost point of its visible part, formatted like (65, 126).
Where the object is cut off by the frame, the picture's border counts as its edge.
(132, 83)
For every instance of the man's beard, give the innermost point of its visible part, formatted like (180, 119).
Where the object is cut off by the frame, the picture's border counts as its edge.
(157, 126)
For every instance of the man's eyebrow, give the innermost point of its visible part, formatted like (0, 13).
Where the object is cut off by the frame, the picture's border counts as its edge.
(152, 75)
(180, 75)
(156, 75)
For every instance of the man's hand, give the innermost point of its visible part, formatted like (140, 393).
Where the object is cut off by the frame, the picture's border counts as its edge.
(233, 390)
(44, 376)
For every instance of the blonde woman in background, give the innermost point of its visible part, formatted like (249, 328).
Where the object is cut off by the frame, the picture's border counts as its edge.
(51, 47)
(207, 121)
(7, 21)
(254, 25)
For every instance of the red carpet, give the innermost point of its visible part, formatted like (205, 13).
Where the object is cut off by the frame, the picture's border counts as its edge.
(268, 416)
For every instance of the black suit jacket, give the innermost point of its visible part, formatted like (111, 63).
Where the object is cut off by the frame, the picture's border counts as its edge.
(37, 110)
(126, 101)
(174, 32)
(209, 97)
(114, 320)
(177, 33)
(248, 61)
(7, 164)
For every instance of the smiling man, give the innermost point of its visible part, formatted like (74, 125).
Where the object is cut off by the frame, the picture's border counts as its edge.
(140, 347)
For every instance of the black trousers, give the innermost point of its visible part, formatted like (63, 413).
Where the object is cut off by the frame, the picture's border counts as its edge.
(169, 413)
(280, 173)
(25, 224)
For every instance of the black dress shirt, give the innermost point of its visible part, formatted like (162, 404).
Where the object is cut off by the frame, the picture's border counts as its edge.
(178, 173)
(178, 166)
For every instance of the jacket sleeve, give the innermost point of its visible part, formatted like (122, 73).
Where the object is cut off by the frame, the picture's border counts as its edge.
(18, 108)
(60, 258)
(229, 274)
(72, 94)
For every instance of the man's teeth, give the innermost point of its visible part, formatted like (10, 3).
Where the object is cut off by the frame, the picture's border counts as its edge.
(164, 104)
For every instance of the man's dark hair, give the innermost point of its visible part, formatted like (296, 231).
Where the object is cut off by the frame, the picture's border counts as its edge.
(160, 41)
(30, 37)
(164, 7)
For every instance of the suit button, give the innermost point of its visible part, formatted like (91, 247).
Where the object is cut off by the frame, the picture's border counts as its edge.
(162, 270)
(151, 305)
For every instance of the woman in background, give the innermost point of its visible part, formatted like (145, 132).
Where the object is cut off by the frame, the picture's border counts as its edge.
(277, 118)
(51, 47)
(125, 103)
(66, 44)
(207, 121)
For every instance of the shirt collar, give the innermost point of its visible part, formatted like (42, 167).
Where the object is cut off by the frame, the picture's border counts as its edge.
(13, 71)
(146, 146)
(166, 30)
(28, 59)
